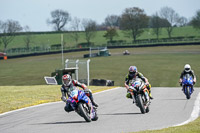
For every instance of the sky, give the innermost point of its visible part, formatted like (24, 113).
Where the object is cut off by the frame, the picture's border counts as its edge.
(34, 13)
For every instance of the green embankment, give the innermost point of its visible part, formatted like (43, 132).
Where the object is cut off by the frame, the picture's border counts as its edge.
(46, 40)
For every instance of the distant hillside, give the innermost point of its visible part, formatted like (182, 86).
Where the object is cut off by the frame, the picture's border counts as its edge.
(47, 39)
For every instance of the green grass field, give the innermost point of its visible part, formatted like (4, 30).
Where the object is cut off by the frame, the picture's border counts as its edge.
(46, 40)
(161, 65)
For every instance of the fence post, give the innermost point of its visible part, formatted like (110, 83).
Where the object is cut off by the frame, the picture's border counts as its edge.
(88, 72)
(66, 63)
(77, 69)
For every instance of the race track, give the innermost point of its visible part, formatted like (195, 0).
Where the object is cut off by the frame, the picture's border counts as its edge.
(116, 114)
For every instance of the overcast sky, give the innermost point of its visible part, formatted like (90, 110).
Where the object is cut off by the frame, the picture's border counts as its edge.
(34, 13)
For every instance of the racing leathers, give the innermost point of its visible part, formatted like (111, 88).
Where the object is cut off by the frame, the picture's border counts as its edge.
(130, 77)
(66, 90)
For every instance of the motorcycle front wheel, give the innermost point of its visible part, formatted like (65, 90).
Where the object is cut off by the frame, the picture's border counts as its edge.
(84, 110)
(140, 104)
(188, 92)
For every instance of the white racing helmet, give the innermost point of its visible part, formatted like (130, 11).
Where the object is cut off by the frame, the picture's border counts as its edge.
(187, 68)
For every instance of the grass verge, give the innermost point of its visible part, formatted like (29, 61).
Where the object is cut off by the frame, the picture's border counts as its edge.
(16, 97)
(192, 127)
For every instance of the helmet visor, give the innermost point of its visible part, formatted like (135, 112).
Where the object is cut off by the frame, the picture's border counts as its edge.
(132, 72)
(66, 81)
(187, 69)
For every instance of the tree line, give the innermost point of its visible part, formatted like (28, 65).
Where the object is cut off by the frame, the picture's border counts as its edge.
(132, 21)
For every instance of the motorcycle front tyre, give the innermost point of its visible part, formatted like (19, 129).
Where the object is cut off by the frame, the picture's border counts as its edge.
(188, 92)
(84, 112)
(140, 104)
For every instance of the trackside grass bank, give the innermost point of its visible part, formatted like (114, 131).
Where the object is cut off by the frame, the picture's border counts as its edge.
(16, 97)
(192, 127)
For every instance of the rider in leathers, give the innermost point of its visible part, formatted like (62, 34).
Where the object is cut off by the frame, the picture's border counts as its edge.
(133, 74)
(187, 70)
(68, 85)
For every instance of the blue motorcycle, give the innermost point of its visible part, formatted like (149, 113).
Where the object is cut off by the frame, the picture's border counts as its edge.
(187, 85)
(82, 104)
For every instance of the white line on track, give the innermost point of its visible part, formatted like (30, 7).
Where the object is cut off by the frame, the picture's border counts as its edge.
(195, 112)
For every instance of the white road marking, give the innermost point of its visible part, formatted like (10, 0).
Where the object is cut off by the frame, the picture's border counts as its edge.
(107, 90)
(34, 106)
(195, 112)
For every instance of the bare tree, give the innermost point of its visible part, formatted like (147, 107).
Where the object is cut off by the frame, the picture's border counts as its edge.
(196, 20)
(28, 37)
(172, 17)
(90, 29)
(112, 21)
(75, 26)
(134, 20)
(8, 30)
(182, 21)
(157, 24)
(59, 19)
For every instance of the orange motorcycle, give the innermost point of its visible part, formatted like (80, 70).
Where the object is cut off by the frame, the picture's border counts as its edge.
(139, 91)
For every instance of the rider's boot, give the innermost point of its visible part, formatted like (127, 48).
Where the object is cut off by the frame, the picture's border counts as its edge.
(149, 88)
(94, 103)
(128, 95)
(150, 95)
(92, 99)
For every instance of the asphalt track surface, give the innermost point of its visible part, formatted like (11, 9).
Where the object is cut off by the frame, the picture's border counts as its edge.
(116, 114)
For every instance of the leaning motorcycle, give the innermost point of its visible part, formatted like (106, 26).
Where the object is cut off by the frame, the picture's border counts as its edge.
(82, 104)
(140, 92)
(187, 84)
